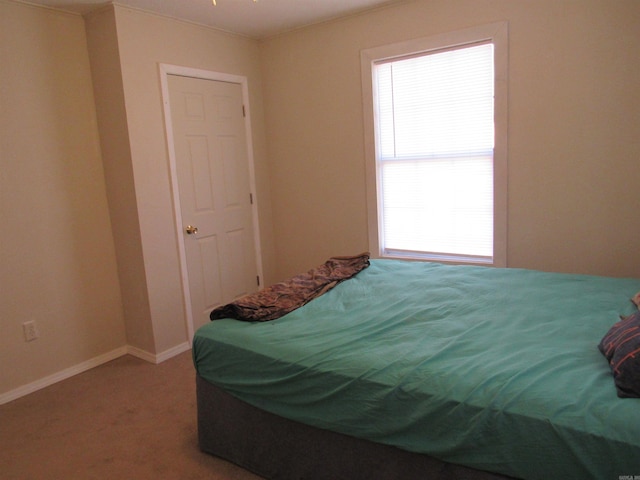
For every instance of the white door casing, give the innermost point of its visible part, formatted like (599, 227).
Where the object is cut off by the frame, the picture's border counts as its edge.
(208, 137)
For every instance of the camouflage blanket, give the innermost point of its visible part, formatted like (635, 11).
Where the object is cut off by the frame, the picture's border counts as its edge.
(281, 298)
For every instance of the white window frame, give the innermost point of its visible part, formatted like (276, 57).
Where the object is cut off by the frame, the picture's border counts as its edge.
(496, 33)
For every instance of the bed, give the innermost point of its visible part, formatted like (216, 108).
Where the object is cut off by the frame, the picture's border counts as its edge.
(425, 370)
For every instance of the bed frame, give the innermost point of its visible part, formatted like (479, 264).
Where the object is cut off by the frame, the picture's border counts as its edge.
(277, 448)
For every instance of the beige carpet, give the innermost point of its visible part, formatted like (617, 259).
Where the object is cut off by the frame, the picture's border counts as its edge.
(127, 419)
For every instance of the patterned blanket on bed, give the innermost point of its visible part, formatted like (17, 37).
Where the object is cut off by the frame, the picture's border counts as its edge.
(281, 298)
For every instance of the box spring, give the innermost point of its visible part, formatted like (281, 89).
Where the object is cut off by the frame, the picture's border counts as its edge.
(277, 448)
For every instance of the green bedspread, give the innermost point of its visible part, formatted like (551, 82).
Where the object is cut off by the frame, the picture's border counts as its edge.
(496, 369)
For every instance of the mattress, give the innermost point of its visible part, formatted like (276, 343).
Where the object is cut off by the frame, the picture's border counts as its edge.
(495, 369)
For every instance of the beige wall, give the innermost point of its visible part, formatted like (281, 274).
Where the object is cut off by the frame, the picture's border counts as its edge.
(574, 125)
(97, 290)
(57, 263)
(143, 42)
(116, 157)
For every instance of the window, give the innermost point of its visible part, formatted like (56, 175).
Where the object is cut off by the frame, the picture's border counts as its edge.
(436, 147)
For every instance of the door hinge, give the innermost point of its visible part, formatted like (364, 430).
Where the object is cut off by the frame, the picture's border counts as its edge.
(258, 279)
(251, 198)
(244, 112)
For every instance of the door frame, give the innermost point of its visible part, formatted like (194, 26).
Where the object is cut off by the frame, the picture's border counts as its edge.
(165, 71)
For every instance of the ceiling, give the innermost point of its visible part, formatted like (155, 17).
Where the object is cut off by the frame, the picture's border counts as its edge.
(252, 18)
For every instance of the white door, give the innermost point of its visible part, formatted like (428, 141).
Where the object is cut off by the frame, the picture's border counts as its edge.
(215, 198)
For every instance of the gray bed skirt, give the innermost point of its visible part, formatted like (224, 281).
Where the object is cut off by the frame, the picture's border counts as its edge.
(277, 448)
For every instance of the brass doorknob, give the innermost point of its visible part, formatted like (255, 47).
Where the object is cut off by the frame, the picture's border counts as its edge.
(191, 229)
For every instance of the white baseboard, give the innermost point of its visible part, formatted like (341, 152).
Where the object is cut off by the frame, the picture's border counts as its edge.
(92, 363)
(63, 375)
(158, 357)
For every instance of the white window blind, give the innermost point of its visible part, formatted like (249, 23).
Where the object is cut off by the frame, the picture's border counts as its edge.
(434, 127)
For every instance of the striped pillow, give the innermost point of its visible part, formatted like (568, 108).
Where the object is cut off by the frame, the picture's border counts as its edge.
(621, 347)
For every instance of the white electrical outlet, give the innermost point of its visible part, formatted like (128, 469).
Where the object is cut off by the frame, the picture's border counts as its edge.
(30, 331)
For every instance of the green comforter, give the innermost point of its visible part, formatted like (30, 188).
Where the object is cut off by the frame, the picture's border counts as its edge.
(496, 369)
